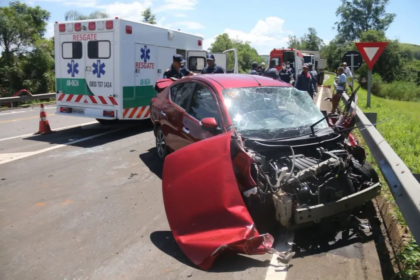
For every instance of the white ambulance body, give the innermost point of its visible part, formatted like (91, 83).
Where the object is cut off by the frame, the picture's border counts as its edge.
(107, 68)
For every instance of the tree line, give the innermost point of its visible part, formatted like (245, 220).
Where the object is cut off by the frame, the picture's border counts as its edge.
(27, 58)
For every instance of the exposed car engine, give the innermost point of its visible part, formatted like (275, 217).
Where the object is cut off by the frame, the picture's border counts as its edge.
(303, 177)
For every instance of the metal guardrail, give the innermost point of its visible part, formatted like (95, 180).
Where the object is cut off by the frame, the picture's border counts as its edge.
(403, 185)
(27, 97)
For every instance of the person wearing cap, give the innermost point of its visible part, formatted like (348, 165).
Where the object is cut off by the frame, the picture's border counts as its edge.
(261, 68)
(349, 75)
(175, 70)
(254, 69)
(285, 74)
(271, 71)
(304, 81)
(211, 67)
(185, 71)
(314, 76)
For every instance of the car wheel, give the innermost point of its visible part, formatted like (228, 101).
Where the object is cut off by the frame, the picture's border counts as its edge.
(106, 122)
(366, 170)
(161, 147)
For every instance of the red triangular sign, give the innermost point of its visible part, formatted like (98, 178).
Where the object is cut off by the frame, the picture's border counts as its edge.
(371, 51)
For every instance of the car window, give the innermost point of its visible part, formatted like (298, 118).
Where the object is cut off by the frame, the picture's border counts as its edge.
(181, 93)
(203, 104)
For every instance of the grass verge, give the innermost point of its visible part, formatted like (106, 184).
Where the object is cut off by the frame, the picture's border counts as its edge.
(401, 131)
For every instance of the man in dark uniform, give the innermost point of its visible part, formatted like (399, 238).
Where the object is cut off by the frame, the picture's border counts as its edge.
(271, 71)
(175, 70)
(314, 76)
(185, 71)
(254, 69)
(211, 67)
(304, 81)
(285, 74)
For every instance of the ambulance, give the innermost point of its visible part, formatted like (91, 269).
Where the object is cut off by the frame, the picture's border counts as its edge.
(107, 68)
(292, 56)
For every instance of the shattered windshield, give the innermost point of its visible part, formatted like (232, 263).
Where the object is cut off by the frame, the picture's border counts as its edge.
(272, 112)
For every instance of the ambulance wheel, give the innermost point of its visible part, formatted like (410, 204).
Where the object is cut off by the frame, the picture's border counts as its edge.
(161, 148)
(106, 122)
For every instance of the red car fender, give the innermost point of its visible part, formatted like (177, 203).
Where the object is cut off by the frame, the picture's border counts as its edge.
(203, 204)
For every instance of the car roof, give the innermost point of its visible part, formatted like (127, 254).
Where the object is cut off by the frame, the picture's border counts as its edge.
(240, 80)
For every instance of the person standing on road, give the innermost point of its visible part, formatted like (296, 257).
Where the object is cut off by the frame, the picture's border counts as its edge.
(271, 71)
(314, 76)
(261, 68)
(285, 74)
(304, 81)
(254, 69)
(340, 85)
(349, 75)
(175, 70)
(211, 67)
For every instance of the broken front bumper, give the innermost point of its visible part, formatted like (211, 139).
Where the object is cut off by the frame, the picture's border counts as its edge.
(317, 212)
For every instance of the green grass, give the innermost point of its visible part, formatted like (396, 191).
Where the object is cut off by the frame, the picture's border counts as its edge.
(411, 47)
(330, 80)
(402, 132)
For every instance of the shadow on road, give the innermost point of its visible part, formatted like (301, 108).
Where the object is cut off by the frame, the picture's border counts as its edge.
(128, 128)
(165, 241)
(153, 162)
(329, 237)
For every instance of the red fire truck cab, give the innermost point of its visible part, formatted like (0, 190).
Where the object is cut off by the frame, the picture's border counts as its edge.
(294, 57)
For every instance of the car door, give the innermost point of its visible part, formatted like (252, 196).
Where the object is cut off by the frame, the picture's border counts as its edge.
(203, 104)
(173, 114)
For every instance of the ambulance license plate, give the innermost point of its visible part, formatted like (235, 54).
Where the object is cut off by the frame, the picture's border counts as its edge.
(78, 110)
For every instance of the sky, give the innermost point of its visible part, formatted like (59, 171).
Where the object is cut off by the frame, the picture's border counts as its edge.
(266, 24)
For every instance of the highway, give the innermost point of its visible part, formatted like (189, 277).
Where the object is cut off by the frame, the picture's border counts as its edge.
(85, 202)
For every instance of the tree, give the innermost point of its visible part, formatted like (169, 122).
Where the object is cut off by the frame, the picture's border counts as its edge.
(358, 16)
(75, 15)
(20, 26)
(309, 41)
(246, 53)
(148, 17)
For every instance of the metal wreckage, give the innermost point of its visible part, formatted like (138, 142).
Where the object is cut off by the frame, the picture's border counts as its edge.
(226, 192)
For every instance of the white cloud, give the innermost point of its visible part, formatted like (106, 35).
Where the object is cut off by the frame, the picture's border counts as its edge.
(50, 30)
(266, 35)
(129, 11)
(180, 15)
(189, 25)
(171, 5)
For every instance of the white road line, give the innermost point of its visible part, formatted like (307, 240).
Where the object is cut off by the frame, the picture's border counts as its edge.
(23, 111)
(276, 271)
(17, 156)
(58, 129)
(318, 103)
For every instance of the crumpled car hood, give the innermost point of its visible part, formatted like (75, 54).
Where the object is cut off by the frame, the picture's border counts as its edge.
(203, 204)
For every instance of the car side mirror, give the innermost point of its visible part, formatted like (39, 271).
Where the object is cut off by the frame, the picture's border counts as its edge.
(209, 124)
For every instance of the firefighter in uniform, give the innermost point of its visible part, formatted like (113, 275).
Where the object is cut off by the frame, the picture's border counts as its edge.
(211, 67)
(271, 71)
(175, 70)
(254, 69)
(285, 74)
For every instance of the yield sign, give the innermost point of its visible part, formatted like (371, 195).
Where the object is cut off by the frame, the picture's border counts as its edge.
(371, 51)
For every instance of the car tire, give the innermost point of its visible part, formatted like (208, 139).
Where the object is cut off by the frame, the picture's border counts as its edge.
(161, 148)
(366, 170)
(106, 122)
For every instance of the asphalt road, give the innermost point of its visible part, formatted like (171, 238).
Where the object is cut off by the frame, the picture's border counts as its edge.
(85, 203)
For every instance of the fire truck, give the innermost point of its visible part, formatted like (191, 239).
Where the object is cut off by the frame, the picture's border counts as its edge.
(294, 57)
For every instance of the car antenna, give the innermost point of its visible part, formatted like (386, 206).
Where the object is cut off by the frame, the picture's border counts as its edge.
(259, 84)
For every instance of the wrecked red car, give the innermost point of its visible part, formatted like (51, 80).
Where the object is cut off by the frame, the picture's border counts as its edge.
(247, 153)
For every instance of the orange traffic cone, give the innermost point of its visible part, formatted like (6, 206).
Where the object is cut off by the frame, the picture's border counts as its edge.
(44, 125)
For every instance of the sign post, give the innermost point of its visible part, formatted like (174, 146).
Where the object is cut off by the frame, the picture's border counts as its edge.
(353, 59)
(371, 51)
